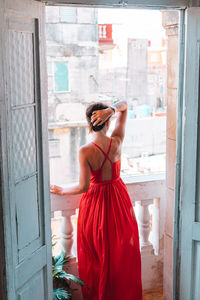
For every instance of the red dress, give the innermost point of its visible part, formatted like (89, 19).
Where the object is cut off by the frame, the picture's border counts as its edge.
(109, 257)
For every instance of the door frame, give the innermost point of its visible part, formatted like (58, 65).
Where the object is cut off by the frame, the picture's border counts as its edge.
(180, 6)
(136, 4)
(179, 131)
(143, 4)
(4, 177)
(189, 190)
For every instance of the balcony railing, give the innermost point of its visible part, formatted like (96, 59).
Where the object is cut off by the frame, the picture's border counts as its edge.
(105, 33)
(147, 194)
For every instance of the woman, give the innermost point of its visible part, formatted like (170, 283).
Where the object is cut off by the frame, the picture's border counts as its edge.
(107, 241)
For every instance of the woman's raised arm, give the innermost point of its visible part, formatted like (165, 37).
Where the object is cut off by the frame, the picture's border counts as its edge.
(122, 108)
(100, 116)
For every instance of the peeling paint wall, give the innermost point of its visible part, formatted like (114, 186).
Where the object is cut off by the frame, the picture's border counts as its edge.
(170, 23)
(72, 37)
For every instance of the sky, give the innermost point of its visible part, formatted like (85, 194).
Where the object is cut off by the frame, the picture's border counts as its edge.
(137, 23)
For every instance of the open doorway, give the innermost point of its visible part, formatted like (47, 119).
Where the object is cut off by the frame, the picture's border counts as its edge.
(25, 212)
(102, 55)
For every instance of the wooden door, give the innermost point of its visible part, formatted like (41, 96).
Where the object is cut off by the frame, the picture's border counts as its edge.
(24, 153)
(190, 184)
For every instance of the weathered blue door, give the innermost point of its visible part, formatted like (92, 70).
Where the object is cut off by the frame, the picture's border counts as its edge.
(24, 141)
(190, 185)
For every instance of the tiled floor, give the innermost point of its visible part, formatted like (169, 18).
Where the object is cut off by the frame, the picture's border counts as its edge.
(153, 295)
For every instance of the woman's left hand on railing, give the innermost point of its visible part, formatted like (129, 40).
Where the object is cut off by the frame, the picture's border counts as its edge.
(55, 189)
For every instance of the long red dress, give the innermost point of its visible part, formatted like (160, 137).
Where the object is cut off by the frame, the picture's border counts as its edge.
(109, 257)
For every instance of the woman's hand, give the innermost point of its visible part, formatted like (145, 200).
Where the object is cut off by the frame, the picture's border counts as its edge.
(101, 116)
(55, 189)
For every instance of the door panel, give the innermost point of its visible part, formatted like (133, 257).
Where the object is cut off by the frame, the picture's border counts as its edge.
(24, 137)
(196, 272)
(190, 185)
(27, 215)
(36, 288)
(27, 207)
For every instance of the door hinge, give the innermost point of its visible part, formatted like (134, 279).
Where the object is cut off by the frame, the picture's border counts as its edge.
(123, 3)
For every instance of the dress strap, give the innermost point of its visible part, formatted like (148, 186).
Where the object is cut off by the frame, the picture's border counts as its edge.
(99, 148)
(105, 154)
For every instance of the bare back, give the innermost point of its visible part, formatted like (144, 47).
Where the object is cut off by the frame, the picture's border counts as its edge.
(97, 152)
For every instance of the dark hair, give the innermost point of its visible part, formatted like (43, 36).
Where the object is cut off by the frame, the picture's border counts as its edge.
(89, 111)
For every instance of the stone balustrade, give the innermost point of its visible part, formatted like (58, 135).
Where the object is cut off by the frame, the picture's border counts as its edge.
(147, 194)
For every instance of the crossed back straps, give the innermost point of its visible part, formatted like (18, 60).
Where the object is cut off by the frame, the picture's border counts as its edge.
(105, 154)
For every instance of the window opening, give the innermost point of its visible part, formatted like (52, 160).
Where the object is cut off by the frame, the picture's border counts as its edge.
(61, 77)
(113, 54)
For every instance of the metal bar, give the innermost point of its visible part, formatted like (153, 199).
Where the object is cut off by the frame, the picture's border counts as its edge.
(154, 4)
(26, 177)
(23, 106)
(114, 5)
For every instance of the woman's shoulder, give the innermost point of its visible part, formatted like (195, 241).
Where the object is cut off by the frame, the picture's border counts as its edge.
(85, 149)
(85, 153)
(88, 148)
(116, 141)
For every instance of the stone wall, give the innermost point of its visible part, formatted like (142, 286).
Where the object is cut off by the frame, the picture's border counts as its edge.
(137, 70)
(72, 36)
(170, 23)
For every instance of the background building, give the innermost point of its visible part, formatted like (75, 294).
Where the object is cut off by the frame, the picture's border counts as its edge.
(90, 59)
(72, 55)
(132, 59)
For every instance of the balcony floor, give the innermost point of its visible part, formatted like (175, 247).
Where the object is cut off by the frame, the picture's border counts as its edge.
(153, 295)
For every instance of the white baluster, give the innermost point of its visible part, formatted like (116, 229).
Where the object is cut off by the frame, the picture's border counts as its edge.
(67, 231)
(144, 222)
(104, 32)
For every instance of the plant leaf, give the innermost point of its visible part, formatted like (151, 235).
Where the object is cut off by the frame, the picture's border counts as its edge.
(72, 277)
(58, 262)
(61, 294)
(59, 259)
(56, 273)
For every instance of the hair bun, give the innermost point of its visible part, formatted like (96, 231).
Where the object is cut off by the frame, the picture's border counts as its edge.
(90, 109)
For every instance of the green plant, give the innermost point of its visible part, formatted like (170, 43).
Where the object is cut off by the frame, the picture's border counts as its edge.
(61, 279)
